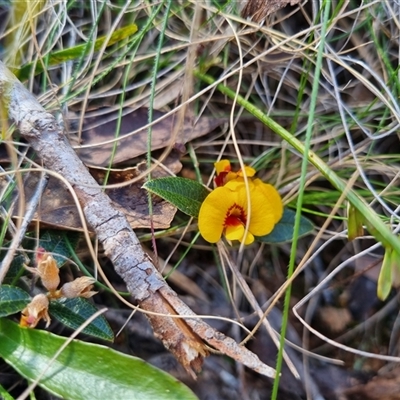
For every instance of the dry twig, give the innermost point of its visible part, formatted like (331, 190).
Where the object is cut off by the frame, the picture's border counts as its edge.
(187, 337)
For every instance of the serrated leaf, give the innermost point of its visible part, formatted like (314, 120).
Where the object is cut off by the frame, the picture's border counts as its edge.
(83, 370)
(283, 231)
(185, 194)
(12, 300)
(74, 312)
(54, 242)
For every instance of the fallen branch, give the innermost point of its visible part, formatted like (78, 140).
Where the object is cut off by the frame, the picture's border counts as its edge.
(188, 337)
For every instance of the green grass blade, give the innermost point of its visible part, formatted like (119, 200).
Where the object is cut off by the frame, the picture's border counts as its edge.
(381, 231)
(75, 52)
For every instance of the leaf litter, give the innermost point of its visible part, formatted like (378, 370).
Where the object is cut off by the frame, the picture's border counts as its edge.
(376, 389)
(99, 129)
(58, 209)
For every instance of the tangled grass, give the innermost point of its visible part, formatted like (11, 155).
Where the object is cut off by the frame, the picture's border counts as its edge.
(340, 68)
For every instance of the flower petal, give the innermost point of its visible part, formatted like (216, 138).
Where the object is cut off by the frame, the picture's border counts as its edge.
(249, 239)
(234, 232)
(248, 171)
(273, 197)
(79, 287)
(262, 218)
(237, 232)
(222, 166)
(236, 185)
(223, 169)
(47, 270)
(213, 212)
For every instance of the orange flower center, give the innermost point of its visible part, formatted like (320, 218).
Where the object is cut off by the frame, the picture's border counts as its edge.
(235, 216)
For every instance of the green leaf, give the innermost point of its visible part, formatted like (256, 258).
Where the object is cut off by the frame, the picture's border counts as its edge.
(74, 53)
(395, 269)
(355, 222)
(283, 231)
(16, 268)
(4, 395)
(185, 194)
(385, 275)
(12, 300)
(54, 242)
(74, 312)
(84, 370)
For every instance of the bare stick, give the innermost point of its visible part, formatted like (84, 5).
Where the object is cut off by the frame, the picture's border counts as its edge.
(188, 337)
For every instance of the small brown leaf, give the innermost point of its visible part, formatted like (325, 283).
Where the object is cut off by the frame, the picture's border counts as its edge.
(258, 10)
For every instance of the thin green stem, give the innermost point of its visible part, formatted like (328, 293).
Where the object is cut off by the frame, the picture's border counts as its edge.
(122, 100)
(302, 185)
(154, 81)
(85, 49)
(380, 230)
(151, 109)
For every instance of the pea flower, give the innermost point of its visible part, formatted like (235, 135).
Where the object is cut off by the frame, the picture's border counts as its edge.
(225, 173)
(225, 209)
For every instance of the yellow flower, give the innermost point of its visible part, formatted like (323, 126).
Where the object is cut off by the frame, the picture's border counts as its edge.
(225, 211)
(225, 173)
(272, 196)
(222, 166)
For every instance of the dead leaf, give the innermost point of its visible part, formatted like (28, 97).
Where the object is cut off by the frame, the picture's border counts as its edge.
(335, 319)
(58, 210)
(258, 10)
(100, 126)
(383, 387)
